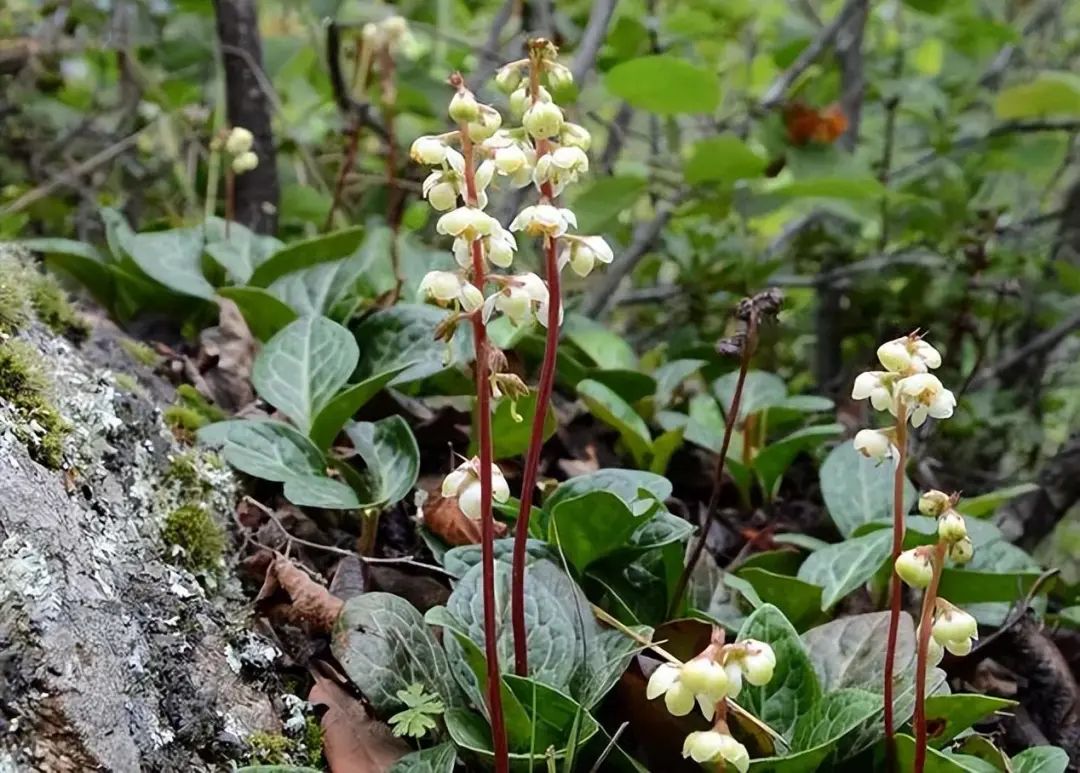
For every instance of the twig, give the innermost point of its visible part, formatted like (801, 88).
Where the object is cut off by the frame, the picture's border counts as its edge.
(1040, 344)
(1019, 609)
(776, 92)
(618, 128)
(592, 38)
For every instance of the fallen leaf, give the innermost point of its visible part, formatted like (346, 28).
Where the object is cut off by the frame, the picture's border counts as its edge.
(445, 519)
(348, 580)
(310, 602)
(353, 742)
(226, 356)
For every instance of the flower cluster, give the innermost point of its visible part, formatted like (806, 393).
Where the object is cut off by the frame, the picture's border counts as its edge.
(953, 629)
(905, 387)
(238, 144)
(707, 680)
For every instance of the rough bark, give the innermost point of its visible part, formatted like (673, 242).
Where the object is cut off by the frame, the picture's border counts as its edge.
(1030, 517)
(112, 656)
(247, 105)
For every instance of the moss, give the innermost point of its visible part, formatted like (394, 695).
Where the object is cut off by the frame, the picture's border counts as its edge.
(184, 472)
(140, 353)
(14, 307)
(53, 308)
(24, 384)
(127, 383)
(270, 749)
(192, 529)
(190, 413)
(313, 741)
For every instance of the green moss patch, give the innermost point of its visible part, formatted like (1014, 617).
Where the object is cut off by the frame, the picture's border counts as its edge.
(140, 353)
(192, 529)
(25, 385)
(190, 413)
(53, 308)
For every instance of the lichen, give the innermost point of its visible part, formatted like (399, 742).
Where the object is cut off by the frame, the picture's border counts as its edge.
(140, 353)
(197, 539)
(25, 385)
(183, 470)
(190, 413)
(53, 308)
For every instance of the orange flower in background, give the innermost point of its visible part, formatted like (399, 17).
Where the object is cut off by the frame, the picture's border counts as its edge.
(808, 124)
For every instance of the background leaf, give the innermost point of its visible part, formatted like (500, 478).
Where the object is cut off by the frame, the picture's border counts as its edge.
(858, 490)
(646, 83)
(846, 566)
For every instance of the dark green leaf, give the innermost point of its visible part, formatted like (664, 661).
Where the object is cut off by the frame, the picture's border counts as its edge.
(985, 504)
(949, 715)
(858, 490)
(237, 248)
(761, 390)
(591, 526)
(630, 385)
(774, 459)
(850, 651)
(82, 262)
(936, 762)
(404, 334)
(307, 253)
(438, 759)
(317, 289)
(333, 416)
(647, 84)
(627, 485)
(602, 199)
(457, 561)
(670, 376)
(320, 491)
(303, 367)
(611, 409)
(389, 450)
(724, 159)
(1049, 93)
(265, 315)
(173, 258)
(834, 716)
(605, 348)
(1041, 759)
(265, 449)
(799, 601)
(512, 437)
(846, 566)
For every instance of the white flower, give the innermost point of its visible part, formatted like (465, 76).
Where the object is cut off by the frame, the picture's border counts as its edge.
(245, 162)
(714, 746)
(560, 168)
(950, 527)
(933, 503)
(523, 294)
(463, 107)
(508, 77)
(960, 647)
(510, 158)
(953, 625)
(924, 395)
(428, 150)
(575, 136)
(469, 223)
(874, 384)
(559, 76)
(934, 651)
(486, 124)
(544, 219)
(704, 676)
(908, 355)
(464, 484)
(239, 141)
(758, 662)
(894, 355)
(441, 190)
(734, 672)
(678, 698)
(874, 444)
(446, 287)
(499, 249)
(542, 119)
(582, 252)
(914, 567)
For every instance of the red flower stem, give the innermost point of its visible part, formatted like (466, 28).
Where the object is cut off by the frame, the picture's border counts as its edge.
(487, 519)
(895, 585)
(543, 396)
(923, 654)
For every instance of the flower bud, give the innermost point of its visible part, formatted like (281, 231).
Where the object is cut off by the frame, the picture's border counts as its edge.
(894, 355)
(951, 527)
(543, 119)
(245, 162)
(463, 107)
(486, 125)
(915, 568)
(395, 27)
(954, 624)
(508, 78)
(239, 141)
(758, 663)
(428, 150)
(559, 76)
(519, 101)
(467, 222)
(934, 503)
(510, 158)
(575, 136)
(961, 551)
(705, 677)
(873, 444)
(443, 196)
(543, 219)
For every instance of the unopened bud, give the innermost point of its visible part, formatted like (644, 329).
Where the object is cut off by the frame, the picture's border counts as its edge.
(915, 568)
(951, 527)
(240, 140)
(508, 78)
(961, 551)
(934, 503)
(463, 107)
(543, 119)
(245, 162)
(559, 76)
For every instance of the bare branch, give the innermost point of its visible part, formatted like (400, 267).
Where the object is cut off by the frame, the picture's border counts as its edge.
(592, 38)
(1043, 342)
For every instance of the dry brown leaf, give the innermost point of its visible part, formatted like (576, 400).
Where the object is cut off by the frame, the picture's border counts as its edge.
(311, 602)
(226, 357)
(353, 742)
(445, 519)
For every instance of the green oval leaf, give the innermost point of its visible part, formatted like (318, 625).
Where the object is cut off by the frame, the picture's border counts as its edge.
(724, 158)
(846, 566)
(333, 416)
(266, 449)
(389, 450)
(665, 84)
(404, 334)
(237, 248)
(265, 315)
(173, 258)
(611, 409)
(307, 253)
(1049, 93)
(591, 526)
(858, 490)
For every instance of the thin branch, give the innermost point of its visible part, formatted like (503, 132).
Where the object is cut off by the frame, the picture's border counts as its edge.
(776, 92)
(1040, 344)
(592, 38)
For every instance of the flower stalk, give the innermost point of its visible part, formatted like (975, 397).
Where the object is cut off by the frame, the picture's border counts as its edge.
(896, 590)
(922, 655)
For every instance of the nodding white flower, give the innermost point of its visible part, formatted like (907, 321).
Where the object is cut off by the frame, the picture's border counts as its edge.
(704, 746)
(875, 384)
(734, 672)
(469, 223)
(908, 355)
(874, 444)
(508, 77)
(510, 158)
(934, 651)
(446, 287)
(395, 27)
(954, 625)
(704, 676)
(464, 484)
(960, 647)
(463, 107)
(245, 162)
(575, 136)
(951, 527)
(560, 168)
(962, 551)
(758, 661)
(429, 150)
(559, 75)
(523, 294)
(485, 173)
(666, 680)
(486, 124)
(498, 248)
(542, 120)
(441, 190)
(544, 219)
(582, 252)
(924, 395)
(933, 503)
(521, 99)
(240, 140)
(914, 567)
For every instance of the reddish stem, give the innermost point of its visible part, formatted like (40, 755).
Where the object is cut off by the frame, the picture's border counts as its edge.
(487, 519)
(895, 585)
(543, 396)
(922, 655)
(346, 167)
